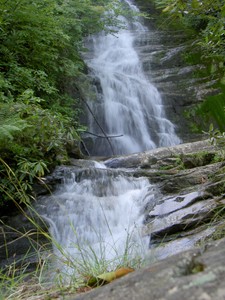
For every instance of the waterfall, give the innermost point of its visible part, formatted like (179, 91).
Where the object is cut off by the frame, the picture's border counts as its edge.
(97, 214)
(127, 106)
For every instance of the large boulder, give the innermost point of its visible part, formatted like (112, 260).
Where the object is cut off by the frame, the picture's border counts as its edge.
(194, 274)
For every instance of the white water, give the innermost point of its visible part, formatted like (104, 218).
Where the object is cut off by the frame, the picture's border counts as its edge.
(127, 105)
(98, 212)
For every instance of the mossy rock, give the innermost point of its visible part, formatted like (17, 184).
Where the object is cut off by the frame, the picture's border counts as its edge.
(197, 159)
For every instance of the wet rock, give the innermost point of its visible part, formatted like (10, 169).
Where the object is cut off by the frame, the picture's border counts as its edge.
(180, 242)
(194, 274)
(197, 159)
(50, 182)
(156, 157)
(162, 55)
(191, 180)
(22, 241)
(183, 219)
(172, 204)
(181, 90)
(217, 188)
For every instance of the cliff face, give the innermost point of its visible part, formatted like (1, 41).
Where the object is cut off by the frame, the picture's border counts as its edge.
(163, 58)
(172, 62)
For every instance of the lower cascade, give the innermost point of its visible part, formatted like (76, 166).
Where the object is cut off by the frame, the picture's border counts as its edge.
(96, 216)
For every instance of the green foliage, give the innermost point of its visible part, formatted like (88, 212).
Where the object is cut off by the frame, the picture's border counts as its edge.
(207, 19)
(40, 45)
(213, 109)
(210, 111)
(217, 138)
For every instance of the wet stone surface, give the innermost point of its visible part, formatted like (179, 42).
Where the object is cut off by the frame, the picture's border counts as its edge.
(194, 274)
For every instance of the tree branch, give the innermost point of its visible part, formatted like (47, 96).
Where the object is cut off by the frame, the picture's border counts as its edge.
(94, 117)
(104, 137)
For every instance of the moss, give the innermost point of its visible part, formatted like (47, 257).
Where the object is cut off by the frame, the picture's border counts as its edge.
(197, 159)
(219, 156)
(219, 233)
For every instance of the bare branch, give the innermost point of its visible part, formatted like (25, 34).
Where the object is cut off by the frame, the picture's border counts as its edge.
(94, 117)
(104, 137)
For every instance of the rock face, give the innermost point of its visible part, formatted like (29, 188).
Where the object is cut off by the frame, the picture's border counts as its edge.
(164, 53)
(195, 274)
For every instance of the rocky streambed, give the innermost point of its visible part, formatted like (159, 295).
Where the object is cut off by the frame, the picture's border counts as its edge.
(188, 211)
(185, 224)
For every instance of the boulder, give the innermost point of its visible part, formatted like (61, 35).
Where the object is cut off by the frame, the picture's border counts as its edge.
(190, 275)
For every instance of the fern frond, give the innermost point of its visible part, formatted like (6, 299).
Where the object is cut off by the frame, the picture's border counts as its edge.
(10, 128)
(7, 131)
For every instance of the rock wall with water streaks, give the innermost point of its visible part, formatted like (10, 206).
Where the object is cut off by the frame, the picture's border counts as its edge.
(165, 52)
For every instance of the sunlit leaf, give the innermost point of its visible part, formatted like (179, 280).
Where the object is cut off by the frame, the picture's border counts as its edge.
(109, 276)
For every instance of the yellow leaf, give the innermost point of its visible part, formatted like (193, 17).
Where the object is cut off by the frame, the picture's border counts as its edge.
(110, 276)
(123, 271)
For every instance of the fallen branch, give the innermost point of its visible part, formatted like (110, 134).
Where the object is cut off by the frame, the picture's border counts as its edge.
(104, 137)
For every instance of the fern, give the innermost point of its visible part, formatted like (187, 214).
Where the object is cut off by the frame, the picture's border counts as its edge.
(10, 128)
(10, 123)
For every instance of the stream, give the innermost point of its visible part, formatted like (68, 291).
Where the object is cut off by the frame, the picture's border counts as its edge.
(97, 214)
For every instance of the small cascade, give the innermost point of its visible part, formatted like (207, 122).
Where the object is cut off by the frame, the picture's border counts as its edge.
(98, 213)
(128, 107)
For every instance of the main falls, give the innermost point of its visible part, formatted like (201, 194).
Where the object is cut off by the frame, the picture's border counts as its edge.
(127, 107)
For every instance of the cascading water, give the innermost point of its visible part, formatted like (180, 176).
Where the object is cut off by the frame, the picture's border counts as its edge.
(98, 214)
(128, 107)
